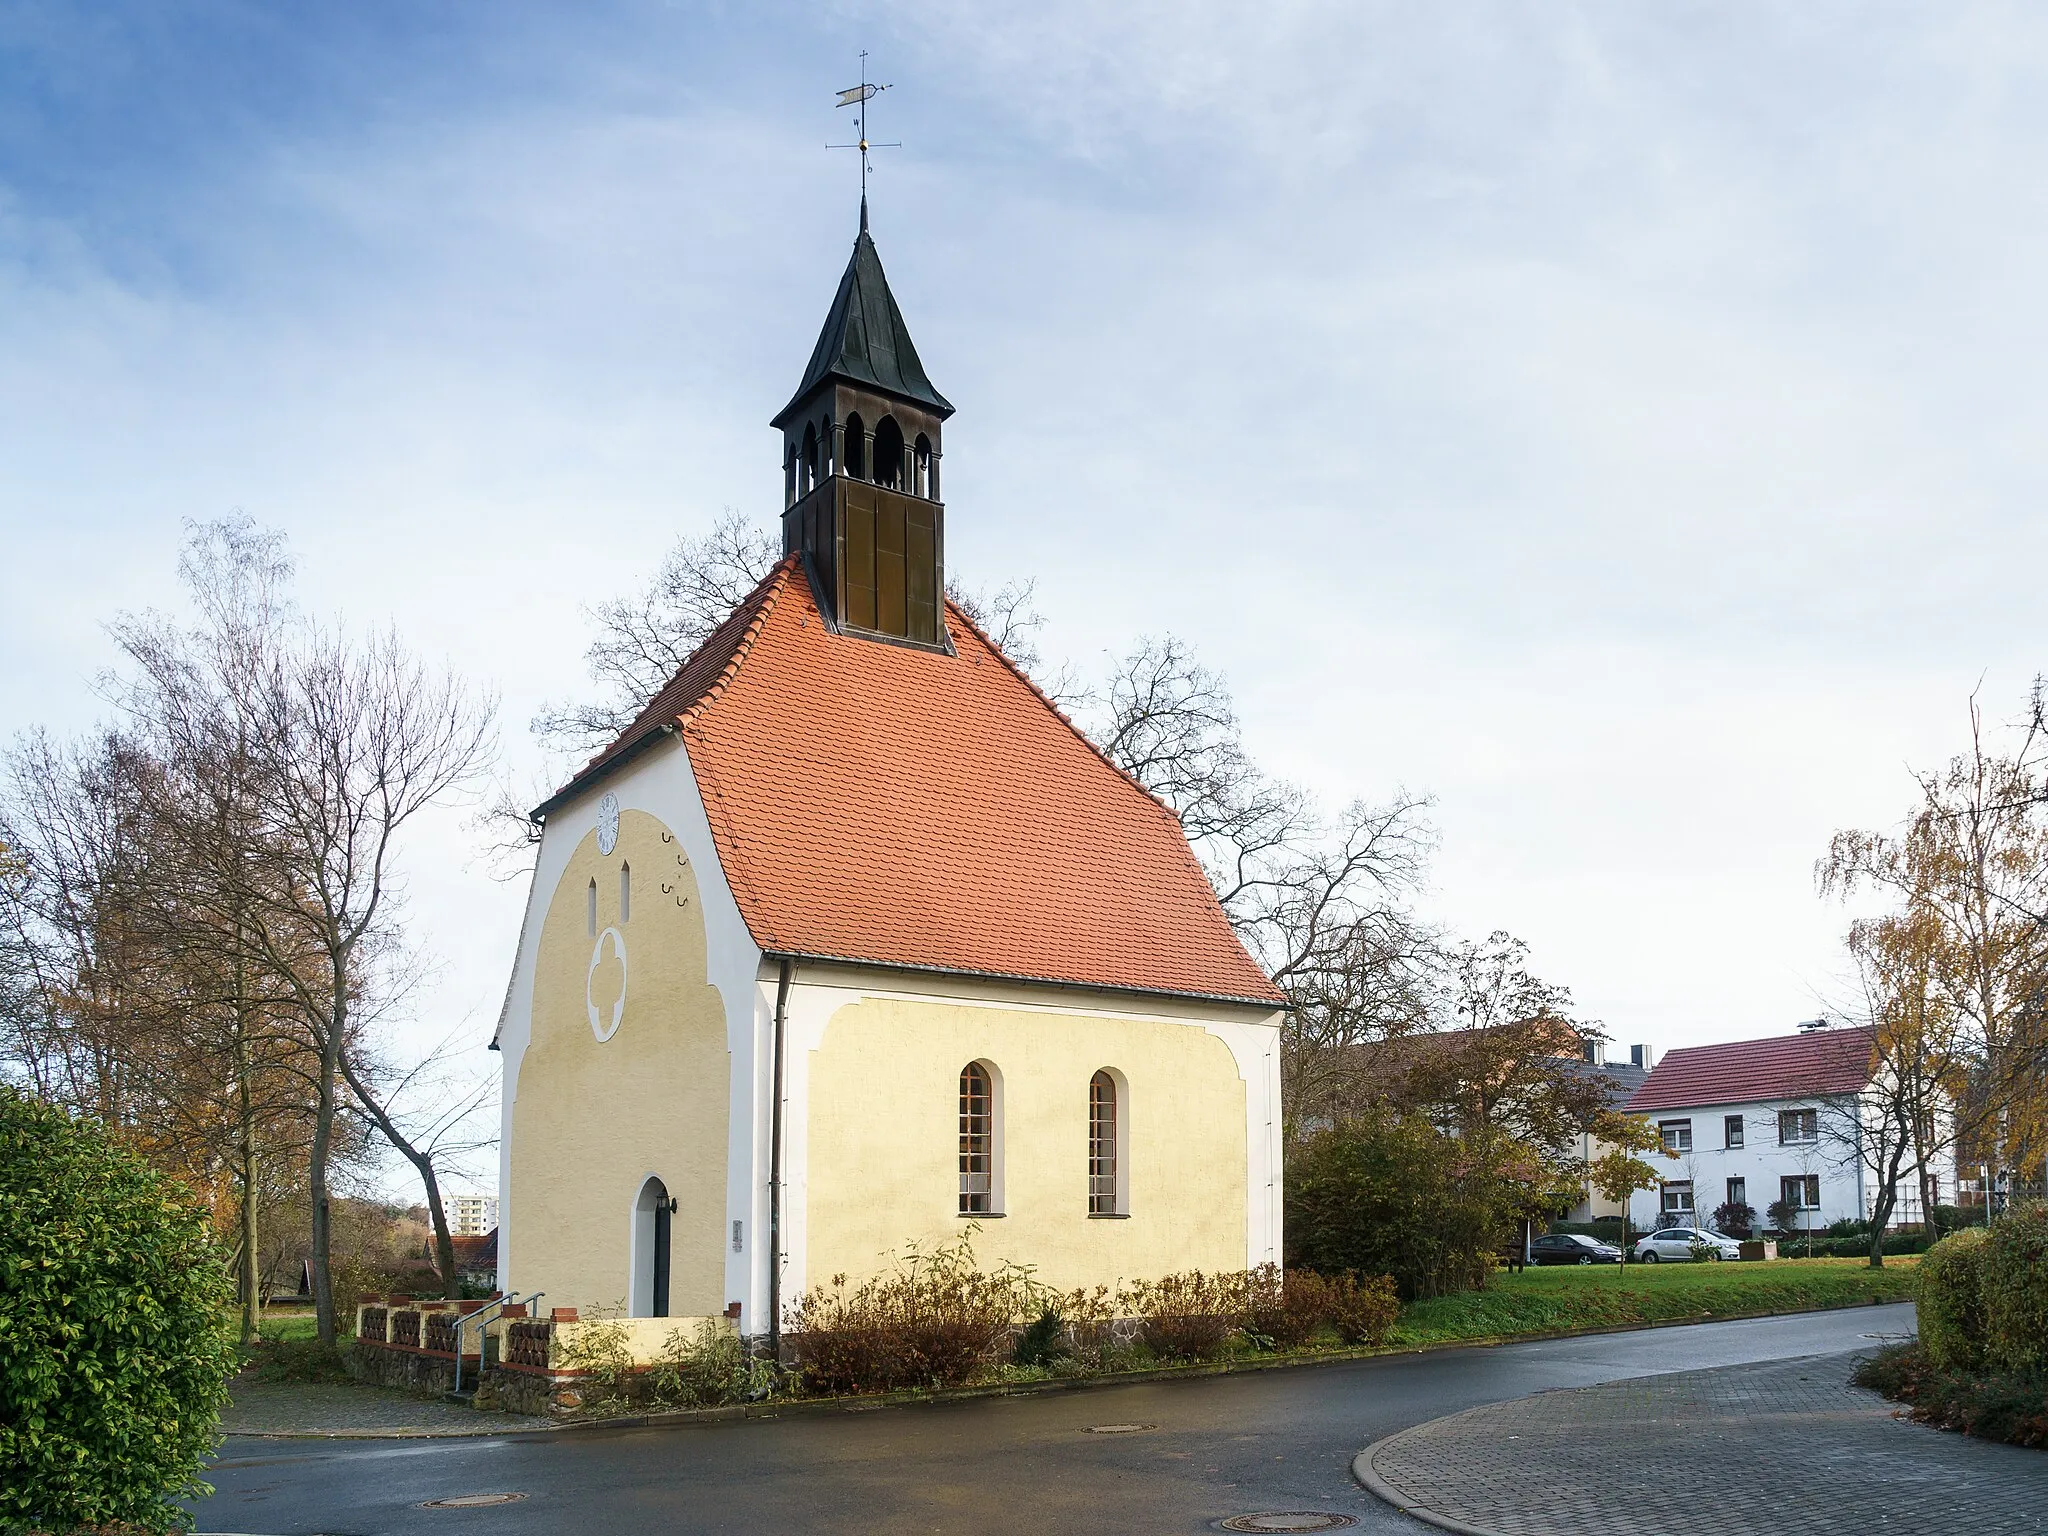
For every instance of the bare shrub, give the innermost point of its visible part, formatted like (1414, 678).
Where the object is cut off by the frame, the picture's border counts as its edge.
(935, 1320)
(1189, 1316)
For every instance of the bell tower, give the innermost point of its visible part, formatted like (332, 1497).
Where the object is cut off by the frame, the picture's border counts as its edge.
(860, 466)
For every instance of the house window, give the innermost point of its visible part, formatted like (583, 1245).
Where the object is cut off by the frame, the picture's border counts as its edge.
(1677, 1200)
(1801, 1191)
(1677, 1135)
(1731, 1131)
(977, 1141)
(1104, 1172)
(625, 893)
(1798, 1126)
(590, 907)
(1738, 1192)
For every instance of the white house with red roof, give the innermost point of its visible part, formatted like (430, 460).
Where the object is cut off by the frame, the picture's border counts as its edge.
(1754, 1122)
(851, 941)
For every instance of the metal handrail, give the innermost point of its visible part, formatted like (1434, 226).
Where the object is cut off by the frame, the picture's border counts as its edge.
(481, 1316)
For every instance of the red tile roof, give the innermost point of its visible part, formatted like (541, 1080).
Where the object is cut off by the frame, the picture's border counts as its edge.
(1826, 1061)
(884, 803)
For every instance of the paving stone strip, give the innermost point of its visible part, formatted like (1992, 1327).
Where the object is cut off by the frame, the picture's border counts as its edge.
(1780, 1446)
(350, 1412)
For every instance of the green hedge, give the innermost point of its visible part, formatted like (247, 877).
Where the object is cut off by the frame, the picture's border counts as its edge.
(1952, 1300)
(115, 1343)
(2015, 1281)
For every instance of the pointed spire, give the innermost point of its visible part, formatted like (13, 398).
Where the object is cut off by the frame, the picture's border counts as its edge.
(863, 211)
(864, 340)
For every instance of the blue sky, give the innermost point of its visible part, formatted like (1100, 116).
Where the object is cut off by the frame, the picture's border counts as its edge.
(1621, 421)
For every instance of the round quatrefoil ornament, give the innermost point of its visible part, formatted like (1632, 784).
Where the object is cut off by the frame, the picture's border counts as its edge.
(604, 985)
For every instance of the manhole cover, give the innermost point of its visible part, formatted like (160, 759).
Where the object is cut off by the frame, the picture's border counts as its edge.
(1288, 1520)
(1118, 1429)
(485, 1500)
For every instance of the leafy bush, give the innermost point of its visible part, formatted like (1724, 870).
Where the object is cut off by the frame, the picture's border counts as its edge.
(1736, 1218)
(936, 1320)
(1387, 1194)
(2010, 1406)
(115, 1344)
(709, 1370)
(1952, 1300)
(2015, 1290)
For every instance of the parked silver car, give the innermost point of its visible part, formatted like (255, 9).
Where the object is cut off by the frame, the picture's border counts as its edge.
(1678, 1243)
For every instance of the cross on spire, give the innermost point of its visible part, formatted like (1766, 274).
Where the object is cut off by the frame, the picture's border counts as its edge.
(858, 97)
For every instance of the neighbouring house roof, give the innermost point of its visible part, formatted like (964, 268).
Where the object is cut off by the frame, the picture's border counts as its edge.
(1826, 1061)
(894, 805)
(1623, 1079)
(474, 1254)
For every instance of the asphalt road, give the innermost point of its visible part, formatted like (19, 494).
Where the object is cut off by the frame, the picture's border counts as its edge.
(1218, 1447)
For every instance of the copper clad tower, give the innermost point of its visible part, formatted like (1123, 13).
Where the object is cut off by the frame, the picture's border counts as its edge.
(860, 466)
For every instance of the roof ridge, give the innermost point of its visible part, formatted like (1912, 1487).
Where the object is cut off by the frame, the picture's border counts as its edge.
(1725, 1045)
(1080, 735)
(1180, 831)
(773, 582)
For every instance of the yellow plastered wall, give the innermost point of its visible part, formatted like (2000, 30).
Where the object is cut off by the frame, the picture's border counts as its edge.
(593, 1118)
(883, 1155)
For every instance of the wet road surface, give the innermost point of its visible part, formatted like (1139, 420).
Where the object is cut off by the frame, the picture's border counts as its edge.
(1218, 1447)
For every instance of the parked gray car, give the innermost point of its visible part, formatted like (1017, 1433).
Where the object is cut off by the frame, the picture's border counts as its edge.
(1678, 1243)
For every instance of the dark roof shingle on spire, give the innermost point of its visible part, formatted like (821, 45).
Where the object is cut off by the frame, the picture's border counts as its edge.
(865, 340)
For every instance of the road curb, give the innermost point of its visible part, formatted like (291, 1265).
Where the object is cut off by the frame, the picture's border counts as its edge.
(1370, 1480)
(870, 1403)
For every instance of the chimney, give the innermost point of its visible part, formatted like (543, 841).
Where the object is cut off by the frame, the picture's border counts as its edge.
(1595, 1051)
(1642, 1056)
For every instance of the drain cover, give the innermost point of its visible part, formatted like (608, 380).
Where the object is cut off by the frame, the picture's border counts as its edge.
(1288, 1520)
(485, 1500)
(1118, 1429)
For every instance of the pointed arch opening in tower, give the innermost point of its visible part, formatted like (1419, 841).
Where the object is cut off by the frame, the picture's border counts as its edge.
(808, 461)
(889, 454)
(856, 447)
(921, 467)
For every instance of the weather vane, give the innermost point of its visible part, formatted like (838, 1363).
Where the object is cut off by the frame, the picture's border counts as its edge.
(858, 97)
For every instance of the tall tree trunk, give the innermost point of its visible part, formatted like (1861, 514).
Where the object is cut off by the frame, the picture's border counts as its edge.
(252, 1295)
(423, 1162)
(323, 1137)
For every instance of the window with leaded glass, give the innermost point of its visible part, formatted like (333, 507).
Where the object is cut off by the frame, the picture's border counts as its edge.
(1102, 1169)
(977, 1141)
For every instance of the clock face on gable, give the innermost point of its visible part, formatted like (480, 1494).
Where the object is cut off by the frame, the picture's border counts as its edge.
(607, 824)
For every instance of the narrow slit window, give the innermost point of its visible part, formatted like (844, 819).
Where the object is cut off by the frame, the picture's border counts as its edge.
(625, 894)
(591, 915)
(1102, 1169)
(977, 1141)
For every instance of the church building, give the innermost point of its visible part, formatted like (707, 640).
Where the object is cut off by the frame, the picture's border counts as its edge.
(851, 939)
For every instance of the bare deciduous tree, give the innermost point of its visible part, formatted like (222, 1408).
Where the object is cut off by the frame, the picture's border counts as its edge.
(1970, 869)
(642, 641)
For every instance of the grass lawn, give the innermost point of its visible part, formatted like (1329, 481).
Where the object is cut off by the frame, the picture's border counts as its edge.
(1567, 1296)
(279, 1325)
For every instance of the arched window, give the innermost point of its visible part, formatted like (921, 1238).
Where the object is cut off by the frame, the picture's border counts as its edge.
(625, 893)
(889, 453)
(921, 467)
(977, 1140)
(1108, 1192)
(653, 1217)
(807, 472)
(591, 905)
(856, 448)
